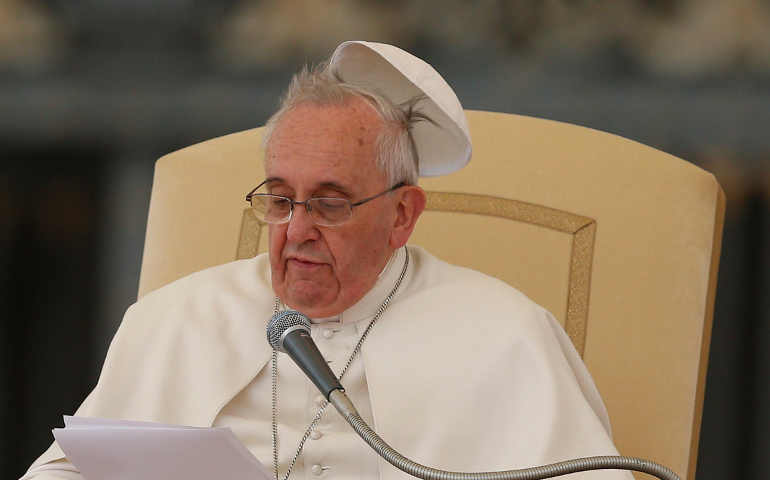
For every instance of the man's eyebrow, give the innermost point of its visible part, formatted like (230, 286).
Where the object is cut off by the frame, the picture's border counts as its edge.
(335, 186)
(323, 185)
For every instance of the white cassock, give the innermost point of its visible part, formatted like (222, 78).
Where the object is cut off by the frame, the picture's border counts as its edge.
(462, 373)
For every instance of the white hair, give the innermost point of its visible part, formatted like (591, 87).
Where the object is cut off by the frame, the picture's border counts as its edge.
(396, 154)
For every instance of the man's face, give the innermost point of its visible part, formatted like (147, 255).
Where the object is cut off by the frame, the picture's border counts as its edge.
(328, 151)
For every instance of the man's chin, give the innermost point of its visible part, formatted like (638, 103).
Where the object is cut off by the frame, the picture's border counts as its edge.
(310, 300)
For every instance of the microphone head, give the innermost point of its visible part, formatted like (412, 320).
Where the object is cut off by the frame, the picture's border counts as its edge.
(282, 323)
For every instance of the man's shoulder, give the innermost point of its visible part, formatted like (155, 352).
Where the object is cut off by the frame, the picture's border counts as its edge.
(437, 273)
(237, 282)
(466, 288)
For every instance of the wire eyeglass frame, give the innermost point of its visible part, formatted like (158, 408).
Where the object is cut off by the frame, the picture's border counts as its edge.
(313, 206)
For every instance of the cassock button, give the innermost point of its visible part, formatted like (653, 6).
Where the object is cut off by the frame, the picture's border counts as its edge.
(316, 470)
(315, 434)
(327, 333)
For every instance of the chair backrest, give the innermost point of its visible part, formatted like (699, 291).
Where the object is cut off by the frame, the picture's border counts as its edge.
(618, 240)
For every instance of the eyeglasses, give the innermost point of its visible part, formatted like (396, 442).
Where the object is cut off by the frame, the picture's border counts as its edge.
(325, 211)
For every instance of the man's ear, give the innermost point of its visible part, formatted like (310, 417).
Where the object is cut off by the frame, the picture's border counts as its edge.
(411, 203)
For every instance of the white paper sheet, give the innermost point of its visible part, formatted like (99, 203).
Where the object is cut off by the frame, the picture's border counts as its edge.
(105, 449)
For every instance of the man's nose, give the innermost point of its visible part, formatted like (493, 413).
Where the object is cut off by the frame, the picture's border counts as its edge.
(301, 226)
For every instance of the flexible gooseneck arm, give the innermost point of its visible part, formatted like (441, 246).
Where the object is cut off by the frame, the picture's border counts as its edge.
(349, 413)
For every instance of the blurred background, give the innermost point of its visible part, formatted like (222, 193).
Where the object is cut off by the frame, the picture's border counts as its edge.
(93, 92)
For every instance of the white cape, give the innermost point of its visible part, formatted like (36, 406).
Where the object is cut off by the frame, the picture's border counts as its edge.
(465, 373)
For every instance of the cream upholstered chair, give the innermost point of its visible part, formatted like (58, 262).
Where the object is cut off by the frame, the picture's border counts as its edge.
(618, 240)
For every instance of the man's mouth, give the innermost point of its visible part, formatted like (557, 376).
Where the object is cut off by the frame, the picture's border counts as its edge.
(303, 263)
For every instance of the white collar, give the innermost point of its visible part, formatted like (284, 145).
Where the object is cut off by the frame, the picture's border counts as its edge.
(367, 306)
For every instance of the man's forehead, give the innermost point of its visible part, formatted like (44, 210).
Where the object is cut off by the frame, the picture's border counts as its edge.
(335, 144)
(354, 116)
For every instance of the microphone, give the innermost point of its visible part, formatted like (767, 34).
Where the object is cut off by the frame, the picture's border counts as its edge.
(289, 332)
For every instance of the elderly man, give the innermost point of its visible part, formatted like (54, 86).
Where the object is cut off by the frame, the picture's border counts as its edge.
(455, 369)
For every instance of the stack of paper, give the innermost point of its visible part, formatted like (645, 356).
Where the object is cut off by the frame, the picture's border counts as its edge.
(104, 449)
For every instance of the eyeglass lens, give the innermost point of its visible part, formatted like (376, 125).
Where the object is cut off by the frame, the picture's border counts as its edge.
(324, 211)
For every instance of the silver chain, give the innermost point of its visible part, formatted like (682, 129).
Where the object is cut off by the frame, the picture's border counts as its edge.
(317, 418)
